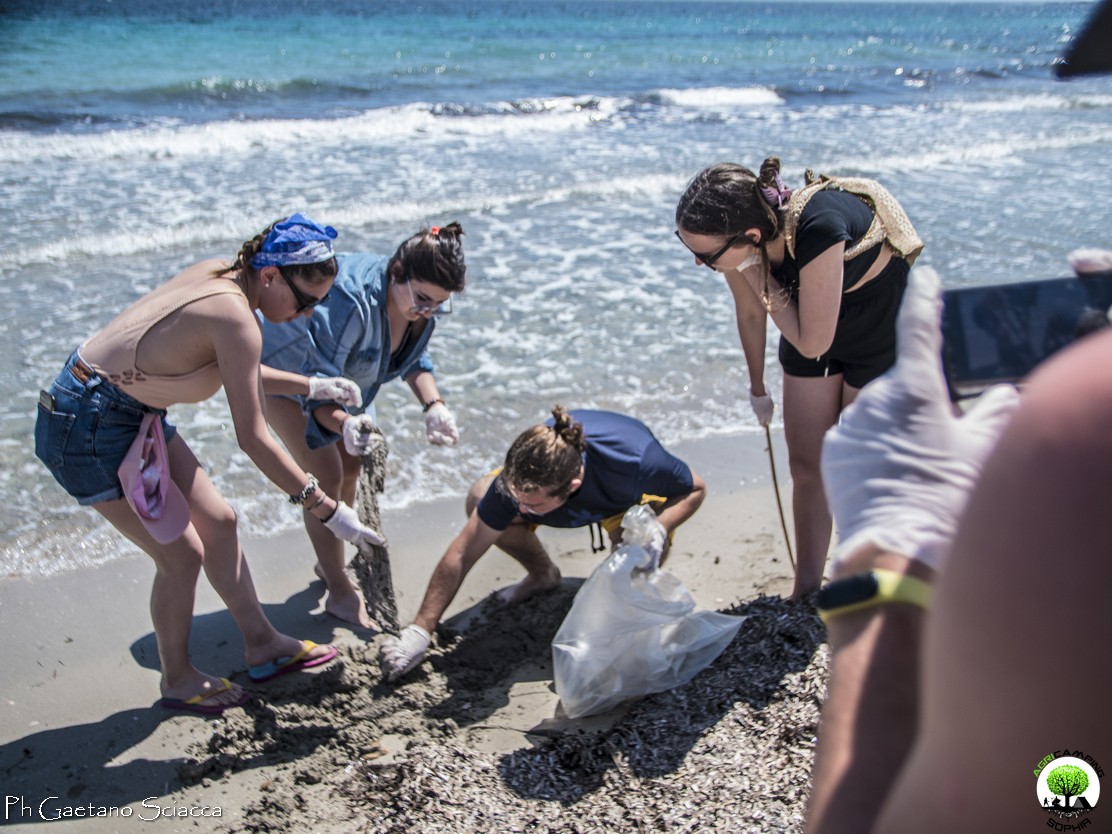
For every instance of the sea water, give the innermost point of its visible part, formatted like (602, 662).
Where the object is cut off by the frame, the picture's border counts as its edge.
(138, 136)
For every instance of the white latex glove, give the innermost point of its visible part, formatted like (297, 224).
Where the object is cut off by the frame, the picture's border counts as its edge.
(440, 426)
(763, 407)
(899, 465)
(345, 524)
(641, 527)
(358, 435)
(654, 547)
(337, 389)
(399, 655)
(1085, 261)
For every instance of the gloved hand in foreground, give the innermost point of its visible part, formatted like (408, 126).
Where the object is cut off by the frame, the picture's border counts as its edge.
(399, 655)
(359, 435)
(336, 389)
(1086, 261)
(762, 406)
(344, 524)
(440, 426)
(899, 465)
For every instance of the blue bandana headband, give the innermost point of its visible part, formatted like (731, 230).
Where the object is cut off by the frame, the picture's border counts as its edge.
(295, 240)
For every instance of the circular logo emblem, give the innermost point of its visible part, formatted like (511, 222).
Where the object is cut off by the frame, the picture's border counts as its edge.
(1068, 784)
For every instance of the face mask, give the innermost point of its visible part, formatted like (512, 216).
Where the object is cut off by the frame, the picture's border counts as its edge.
(752, 260)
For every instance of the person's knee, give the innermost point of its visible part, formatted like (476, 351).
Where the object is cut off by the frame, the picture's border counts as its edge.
(216, 525)
(805, 468)
(185, 562)
(476, 493)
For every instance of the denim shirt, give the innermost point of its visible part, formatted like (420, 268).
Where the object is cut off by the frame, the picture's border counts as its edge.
(348, 335)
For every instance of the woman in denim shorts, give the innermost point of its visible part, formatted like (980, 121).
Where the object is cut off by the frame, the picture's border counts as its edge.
(829, 268)
(181, 343)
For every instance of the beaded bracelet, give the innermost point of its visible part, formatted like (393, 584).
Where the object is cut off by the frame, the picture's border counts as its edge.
(307, 490)
(431, 403)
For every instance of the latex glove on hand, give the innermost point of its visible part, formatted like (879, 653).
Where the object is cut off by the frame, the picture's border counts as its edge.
(762, 406)
(641, 528)
(655, 547)
(400, 655)
(440, 426)
(359, 435)
(336, 389)
(899, 466)
(1085, 261)
(344, 524)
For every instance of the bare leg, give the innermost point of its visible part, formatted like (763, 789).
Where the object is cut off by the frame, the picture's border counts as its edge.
(178, 565)
(214, 530)
(337, 473)
(520, 543)
(811, 406)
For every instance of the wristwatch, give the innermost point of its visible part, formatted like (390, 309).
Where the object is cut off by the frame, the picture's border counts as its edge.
(869, 589)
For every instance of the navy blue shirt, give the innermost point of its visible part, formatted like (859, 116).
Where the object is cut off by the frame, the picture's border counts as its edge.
(623, 462)
(829, 217)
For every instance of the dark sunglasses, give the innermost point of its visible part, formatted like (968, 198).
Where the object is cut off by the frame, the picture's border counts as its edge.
(304, 301)
(708, 260)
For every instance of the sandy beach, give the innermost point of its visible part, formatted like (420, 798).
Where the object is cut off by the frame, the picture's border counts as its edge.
(474, 741)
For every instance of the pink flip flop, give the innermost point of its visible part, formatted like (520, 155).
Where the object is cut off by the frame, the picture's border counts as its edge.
(197, 702)
(290, 663)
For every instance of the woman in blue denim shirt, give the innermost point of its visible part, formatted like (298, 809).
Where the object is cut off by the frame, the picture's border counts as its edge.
(374, 326)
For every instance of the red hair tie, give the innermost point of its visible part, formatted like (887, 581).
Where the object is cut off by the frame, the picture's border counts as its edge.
(435, 230)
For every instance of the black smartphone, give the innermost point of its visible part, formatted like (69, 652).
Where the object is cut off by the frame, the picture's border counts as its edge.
(1001, 332)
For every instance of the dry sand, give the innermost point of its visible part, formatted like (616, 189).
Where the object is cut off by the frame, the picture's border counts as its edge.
(474, 741)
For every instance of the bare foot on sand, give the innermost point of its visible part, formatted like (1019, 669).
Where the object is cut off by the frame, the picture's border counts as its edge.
(529, 586)
(349, 608)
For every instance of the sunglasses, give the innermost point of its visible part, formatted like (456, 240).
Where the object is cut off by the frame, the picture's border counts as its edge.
(426, 306)
(304, 300)
(708, 260)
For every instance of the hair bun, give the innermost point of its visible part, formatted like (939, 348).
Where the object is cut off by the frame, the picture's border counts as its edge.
(453, 229)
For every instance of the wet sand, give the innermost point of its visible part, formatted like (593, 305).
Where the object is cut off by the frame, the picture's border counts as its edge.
(473, 741)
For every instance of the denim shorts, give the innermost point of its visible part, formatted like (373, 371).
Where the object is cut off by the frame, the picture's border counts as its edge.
(83, 431)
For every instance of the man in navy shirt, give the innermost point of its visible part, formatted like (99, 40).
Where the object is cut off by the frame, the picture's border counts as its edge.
(579, 468)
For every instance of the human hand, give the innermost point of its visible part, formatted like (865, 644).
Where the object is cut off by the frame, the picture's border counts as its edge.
(440, 426)
(1085, 261)
(336, 389)
(400, 655)
(899, 465)
(656, 546)
(762, 406)
(344, 524)
(641, 528)
(359, 435)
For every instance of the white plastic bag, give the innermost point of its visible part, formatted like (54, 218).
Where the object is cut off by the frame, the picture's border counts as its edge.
(633, 629)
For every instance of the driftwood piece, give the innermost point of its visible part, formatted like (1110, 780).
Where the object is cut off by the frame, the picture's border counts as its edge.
(372, 563)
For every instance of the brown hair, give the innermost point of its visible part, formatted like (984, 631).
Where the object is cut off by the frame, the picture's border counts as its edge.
(726, 199)
(546, 457)
(310, 274)
(434, 255)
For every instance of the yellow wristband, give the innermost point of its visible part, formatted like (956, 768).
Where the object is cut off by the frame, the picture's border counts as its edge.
(870, 589)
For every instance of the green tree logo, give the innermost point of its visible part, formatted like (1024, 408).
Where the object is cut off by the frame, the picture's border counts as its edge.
(1067, 781)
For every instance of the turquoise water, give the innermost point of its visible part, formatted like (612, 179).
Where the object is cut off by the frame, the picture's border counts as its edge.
(136, 137)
